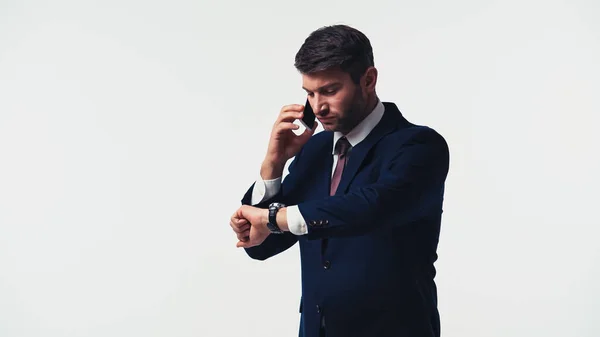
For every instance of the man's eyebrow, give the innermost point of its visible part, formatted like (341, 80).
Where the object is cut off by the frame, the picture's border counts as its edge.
(326, 86)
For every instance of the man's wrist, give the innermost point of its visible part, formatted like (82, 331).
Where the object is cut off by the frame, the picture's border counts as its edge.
(265, 218)
(281, 219)
(270, 170)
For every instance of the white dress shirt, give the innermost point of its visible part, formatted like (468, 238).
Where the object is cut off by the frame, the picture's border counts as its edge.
(265, 189)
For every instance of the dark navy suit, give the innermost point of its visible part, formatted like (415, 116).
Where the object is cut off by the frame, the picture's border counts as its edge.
(368, 257)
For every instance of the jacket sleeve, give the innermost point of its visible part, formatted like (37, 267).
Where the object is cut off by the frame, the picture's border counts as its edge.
(274, 243)
(409, 189)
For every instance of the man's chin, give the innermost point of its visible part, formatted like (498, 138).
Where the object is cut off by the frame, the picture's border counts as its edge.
(329, 126)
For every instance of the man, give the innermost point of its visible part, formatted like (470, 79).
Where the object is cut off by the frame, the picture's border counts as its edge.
(368, 236)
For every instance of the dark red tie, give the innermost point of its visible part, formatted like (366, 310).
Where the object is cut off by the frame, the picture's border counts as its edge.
(342, 146)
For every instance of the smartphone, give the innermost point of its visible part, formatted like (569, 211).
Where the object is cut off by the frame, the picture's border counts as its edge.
(308, 119)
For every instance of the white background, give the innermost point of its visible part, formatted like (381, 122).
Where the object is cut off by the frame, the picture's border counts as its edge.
(129, 131)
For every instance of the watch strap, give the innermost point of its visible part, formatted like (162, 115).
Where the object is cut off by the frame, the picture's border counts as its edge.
(272, 223)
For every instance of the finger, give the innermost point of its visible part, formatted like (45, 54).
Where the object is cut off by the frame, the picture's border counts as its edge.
(239, 229)
(246, 244)
(242, 221)
(234, 223)
(289, 116)
(243, 236)
(239, 213)
(235, 218)
(284, 126)
(237, 223)
(292, 107)
(236, 229)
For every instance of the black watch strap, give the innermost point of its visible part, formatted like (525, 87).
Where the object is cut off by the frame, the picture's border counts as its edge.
(272, 224)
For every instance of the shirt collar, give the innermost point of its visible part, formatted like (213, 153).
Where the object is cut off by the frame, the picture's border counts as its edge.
(362, 130)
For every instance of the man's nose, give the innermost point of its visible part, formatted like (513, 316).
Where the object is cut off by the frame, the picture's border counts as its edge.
(320, 106)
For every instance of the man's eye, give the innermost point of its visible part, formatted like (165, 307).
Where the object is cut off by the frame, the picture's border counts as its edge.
(330, 92)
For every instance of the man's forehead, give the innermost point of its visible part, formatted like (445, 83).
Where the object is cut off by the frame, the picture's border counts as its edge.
(321, 79)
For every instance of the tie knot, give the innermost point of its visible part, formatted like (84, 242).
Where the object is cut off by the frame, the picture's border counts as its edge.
(342, 146)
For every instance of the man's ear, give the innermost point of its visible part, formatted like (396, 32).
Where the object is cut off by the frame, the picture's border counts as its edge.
(370, 79)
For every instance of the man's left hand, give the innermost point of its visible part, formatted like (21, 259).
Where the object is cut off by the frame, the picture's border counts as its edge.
(258, 218)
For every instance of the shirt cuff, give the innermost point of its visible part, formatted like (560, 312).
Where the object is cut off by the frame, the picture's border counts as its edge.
(265, 189)
(296, 223)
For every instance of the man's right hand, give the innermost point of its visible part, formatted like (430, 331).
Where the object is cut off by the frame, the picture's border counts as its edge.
(284, 144)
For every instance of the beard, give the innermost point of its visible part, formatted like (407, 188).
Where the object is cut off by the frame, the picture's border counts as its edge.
(354, 114)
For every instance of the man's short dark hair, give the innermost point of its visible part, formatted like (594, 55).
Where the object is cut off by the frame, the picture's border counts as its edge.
(335, 46)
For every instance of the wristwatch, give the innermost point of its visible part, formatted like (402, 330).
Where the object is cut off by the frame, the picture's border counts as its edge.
(272, 223)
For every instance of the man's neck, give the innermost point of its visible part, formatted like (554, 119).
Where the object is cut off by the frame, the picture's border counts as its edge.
(371, 104)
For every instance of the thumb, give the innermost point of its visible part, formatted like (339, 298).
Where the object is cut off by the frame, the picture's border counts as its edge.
(241, 244)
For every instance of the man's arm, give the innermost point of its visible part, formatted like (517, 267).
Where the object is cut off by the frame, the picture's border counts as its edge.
(408, 190)
(260, 195)
(265, 191)
(283, 145)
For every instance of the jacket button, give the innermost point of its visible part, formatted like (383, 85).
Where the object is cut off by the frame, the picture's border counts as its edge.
(326, 264)
(318, 309)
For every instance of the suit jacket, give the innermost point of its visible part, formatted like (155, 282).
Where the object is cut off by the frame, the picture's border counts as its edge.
(367, 261)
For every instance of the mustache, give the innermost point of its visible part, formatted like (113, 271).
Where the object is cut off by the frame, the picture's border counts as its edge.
(323, 113)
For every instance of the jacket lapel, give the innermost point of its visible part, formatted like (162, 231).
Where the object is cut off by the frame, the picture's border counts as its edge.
(389, 122)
